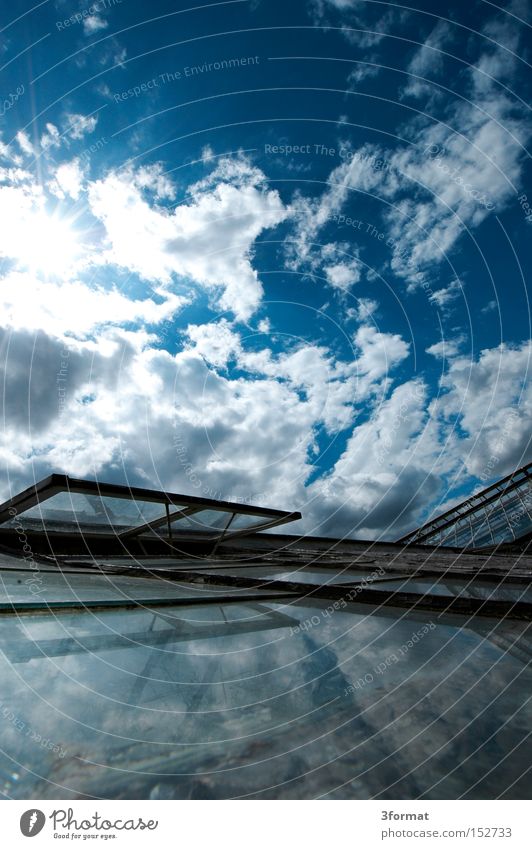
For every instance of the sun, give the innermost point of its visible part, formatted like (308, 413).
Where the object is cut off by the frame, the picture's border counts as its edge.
(51, 246)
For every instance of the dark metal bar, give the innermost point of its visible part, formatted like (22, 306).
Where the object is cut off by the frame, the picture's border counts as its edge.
(30, 497)
(136, 493)
(222, 535)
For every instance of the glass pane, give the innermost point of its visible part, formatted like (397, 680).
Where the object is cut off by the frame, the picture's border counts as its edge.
(52, 586)
(504, 520)
(472, 589)
(202, 522)
(263, 700)
(302, 575)
(66, 511)
(244, 521)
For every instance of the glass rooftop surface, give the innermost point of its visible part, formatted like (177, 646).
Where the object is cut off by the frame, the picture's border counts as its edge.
(264, 700)
(467, 589)
(500, 514)
(50, 588)
(302, 575)
(130, 673)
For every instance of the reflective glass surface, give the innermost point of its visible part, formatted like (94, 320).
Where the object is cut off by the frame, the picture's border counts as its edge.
(466, 589)
(201, 522)
(302, 575)
(49, 587)
(244, 521)
(75, 511)
(70, 510)
(504, 520)
(263, 700)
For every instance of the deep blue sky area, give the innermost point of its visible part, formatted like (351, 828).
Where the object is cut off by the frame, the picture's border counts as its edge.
(291, 240)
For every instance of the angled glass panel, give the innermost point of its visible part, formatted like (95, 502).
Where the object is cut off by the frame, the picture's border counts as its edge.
(502, 513)
(204, 521)
(60, 503)
(243, 522)
(67, 511)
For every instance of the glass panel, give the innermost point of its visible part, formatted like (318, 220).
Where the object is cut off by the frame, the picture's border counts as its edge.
(67, 511)
(48, 587)
(264, 700)
(449, 587)
(302, 575)
(504, 520)
(202, 522)
(209, 520)
(244, 521)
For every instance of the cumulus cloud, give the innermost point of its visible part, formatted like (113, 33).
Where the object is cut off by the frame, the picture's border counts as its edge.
(223, 410)
(492, 399)
(55, 307)
(208, 239)
(446, 348)
(443, 186)
(68, 180)
(365, 308)
(79, 125)
(94, 23)
(383, 477)
(331, 388)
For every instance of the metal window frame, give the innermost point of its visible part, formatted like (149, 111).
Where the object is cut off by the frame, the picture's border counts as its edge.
(42, 490)
(493, 493)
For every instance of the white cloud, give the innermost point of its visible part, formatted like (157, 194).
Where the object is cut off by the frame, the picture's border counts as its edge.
(51, 138)
(446, 348)
(68, 179)
(332, 389)
(436, 190)
(380, 352)
(343, 275)
(78, 125)
(208, 240)
(383, 477)
(365, 308)
(428, 59)
(153, 178)
(24, 143)
(30, 304)
(239, 437)
(445, 296)
(94, 23)
(362, 72)
(215, 341)
(492, 398)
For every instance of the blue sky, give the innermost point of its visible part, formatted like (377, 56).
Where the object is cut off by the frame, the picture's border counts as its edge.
(276, 252)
